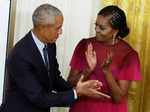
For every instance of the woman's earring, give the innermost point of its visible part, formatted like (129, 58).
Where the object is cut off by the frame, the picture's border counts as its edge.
(114, 38)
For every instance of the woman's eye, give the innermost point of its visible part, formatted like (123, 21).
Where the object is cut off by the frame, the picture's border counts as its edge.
(99, 26)
(102, 28)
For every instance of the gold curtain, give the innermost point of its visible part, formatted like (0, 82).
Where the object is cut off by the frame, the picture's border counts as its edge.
(138, 18)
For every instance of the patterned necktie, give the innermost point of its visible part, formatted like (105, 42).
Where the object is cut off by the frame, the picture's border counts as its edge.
(45, 53)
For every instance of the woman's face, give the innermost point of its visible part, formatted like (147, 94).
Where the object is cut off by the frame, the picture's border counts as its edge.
(104, 32)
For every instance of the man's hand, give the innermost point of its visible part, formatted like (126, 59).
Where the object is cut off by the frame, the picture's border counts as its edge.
(89, 88)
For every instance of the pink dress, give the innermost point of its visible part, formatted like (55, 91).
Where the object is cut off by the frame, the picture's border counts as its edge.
(125, 66)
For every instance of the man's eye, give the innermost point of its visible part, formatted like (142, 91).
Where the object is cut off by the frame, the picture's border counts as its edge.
(96, 24)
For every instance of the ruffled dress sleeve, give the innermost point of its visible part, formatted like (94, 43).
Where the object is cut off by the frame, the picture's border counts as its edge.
(130, 69)
(78, 61)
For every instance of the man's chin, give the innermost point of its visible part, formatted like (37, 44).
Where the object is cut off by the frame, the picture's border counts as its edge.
(52, 41)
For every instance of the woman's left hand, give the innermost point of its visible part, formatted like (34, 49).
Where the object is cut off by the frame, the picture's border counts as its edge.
(106, 64)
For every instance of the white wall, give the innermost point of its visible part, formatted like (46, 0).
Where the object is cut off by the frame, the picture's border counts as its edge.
(4, 17)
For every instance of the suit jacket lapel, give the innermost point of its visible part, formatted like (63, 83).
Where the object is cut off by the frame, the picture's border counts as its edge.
(35, 53)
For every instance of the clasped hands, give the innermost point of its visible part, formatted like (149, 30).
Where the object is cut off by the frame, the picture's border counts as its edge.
(90, 88)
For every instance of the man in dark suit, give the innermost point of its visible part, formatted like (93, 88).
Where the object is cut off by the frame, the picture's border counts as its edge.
(34, 79)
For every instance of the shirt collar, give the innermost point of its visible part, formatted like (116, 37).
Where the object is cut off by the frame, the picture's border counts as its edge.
(39, 44)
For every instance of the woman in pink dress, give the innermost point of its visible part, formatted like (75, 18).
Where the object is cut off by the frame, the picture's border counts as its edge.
(109, 59)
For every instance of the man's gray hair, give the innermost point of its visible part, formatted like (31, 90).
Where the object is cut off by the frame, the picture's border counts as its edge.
(45, 15)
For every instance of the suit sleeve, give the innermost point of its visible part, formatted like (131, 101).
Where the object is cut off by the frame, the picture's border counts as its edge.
(59, 83)
(21, 71)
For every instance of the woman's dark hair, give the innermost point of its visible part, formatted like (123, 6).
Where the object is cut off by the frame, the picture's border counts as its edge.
(118, 19)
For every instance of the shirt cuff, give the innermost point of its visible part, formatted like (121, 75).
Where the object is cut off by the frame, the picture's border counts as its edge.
(75, 94)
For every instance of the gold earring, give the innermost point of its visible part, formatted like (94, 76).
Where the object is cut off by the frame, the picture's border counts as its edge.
(114, 38)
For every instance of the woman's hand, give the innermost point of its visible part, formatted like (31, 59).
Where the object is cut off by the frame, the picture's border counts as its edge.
(91, 57)
(106, 64)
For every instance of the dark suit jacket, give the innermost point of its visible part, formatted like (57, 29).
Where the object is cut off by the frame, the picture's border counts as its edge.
(30, 85)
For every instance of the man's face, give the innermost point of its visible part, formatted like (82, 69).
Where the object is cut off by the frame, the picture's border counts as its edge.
(52, 32)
